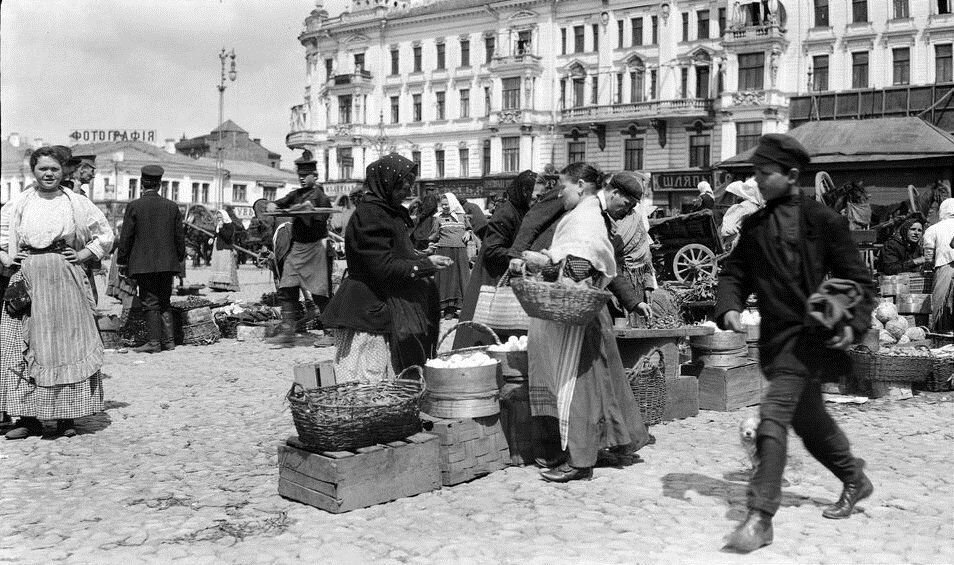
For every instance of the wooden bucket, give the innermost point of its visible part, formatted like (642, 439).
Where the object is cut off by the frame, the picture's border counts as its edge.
(721, 349)
(914, 304)
(468, 392)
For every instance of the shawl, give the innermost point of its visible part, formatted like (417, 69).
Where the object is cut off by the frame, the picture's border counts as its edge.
(520, 191)
(705, 188)
(581, 233)
(747, 190)
(456, 210)
(383, 177)
(425, 218)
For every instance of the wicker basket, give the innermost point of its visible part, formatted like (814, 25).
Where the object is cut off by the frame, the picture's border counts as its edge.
(558, 303)
(648, 380)
(869, 366)
(205, 333)
(942, 373)
(349, 416)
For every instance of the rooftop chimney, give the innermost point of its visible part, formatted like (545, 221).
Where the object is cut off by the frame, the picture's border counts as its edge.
(171, 146)
(257, 140)
(14, 139)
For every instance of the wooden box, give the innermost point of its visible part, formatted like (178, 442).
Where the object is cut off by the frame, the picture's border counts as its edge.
(315, 375)
(341, 481)
(682, 398)
(469, 447)
(729, 388)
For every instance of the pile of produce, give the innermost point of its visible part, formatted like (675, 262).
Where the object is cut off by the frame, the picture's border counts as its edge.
(664, 322)
(894, 329)
(513, 343)
(191, 303)
(229, 317)
(462, 361)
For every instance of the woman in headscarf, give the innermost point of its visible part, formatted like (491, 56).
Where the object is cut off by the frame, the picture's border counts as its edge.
(939, 246)
(750, 201)
(705, 200)
(424, 223)
(224, 270)
(492, 261)
(576, 374)
(385, 311)
(50, 351)
(902, 253)
(449, 238)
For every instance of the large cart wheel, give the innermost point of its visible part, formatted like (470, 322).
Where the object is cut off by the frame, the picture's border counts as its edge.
(691, 260)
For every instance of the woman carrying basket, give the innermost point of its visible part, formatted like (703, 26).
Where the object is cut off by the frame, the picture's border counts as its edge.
(386, 310)
(576, 374)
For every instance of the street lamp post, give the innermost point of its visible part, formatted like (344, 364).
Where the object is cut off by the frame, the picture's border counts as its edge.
(223, 57)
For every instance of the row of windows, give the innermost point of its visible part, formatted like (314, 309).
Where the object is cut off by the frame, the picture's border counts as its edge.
(898, 9)
(200, 191)
(900, 68)
(636, 81)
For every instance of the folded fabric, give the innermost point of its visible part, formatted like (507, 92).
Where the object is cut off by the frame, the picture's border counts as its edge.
(833, 303)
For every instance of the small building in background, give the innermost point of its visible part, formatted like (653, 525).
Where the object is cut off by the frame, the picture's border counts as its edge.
(235, 143)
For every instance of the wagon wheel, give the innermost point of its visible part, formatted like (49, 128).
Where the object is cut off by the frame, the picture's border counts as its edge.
(823, 184)
(691, 260)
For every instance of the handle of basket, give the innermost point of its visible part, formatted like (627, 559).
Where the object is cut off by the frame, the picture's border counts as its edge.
(420, 371)
(641, 362)
(504, 279)
(862, 348)
(471, 323)
(296, 392)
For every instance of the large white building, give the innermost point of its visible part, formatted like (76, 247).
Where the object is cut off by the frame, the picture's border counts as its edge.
(476, 91)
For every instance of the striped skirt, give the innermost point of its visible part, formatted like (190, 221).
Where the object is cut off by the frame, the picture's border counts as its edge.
(224, 270)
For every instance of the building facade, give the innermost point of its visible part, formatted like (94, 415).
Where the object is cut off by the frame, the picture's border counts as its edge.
(235, 143)
(477, 91)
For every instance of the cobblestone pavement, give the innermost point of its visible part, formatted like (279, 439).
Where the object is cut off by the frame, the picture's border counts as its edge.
(182, 467)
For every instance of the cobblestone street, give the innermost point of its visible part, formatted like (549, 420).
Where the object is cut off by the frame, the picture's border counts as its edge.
(182, 467)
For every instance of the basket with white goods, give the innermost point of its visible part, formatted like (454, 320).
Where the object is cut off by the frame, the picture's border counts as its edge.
(462, 383)
(513, 358)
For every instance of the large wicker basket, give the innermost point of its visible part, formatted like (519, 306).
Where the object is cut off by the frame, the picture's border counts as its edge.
(942, 375)
(348, 416)
(647, 379)
(559, 303)
(869, 366)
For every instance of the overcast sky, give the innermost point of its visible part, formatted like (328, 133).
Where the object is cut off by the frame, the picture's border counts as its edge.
(150, 65)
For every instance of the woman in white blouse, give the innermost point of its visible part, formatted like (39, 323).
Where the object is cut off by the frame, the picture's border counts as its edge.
(50, 352)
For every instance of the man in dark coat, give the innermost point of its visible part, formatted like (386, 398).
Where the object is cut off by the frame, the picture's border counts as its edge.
(478, 220)
(151, 246)
(784, 252)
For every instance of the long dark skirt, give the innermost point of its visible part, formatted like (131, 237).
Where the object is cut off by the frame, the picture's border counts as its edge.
(452, 281)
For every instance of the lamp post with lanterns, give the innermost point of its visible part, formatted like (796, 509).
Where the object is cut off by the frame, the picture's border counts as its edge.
(231, 74)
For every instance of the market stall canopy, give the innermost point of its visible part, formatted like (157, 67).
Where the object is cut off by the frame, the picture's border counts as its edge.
(854, 141)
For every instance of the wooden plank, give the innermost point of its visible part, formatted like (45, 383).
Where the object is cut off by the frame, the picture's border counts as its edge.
(684, 331)
(370, 448)
(324, 487)
(301, 461)
(397, 443)
(729, 388)
(311, 497)
(682, 398)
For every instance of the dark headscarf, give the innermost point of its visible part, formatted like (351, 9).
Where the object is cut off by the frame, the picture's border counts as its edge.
(520, 190)
(383, 177)
(902, 233)
(425, 219)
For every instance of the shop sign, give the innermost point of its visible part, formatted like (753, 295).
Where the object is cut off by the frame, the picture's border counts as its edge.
(680, 180)
(94, 135)
(244, 212)
(468, 188)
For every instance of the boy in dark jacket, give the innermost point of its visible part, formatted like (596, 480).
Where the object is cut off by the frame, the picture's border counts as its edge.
(784, 252)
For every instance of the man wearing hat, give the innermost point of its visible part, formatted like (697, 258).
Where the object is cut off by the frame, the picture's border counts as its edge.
(151, 247)
(304, 266)
(784, 252)
(85, 172)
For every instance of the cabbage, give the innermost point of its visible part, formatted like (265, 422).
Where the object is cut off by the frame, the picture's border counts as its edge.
(885, 337)
(896, 327)
(876, 324)
(886, 311)
(904, 339)
(915, 334)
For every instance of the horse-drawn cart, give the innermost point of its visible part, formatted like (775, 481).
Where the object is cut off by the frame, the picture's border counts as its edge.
(687, 245)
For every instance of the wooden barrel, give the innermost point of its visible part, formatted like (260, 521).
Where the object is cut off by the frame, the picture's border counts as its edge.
(467, 392)
(720, 349)
(914, 303)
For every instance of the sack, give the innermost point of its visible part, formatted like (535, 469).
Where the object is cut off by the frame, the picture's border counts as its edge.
(16, 300)
(498, 307)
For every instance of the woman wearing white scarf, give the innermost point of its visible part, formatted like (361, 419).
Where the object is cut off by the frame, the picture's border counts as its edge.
(449, 238)
(224, 275)
(576, 374)
(939, 245)
(751, 202)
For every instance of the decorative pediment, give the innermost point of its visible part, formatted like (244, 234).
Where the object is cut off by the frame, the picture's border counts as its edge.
(634, 61)
(575, 68)
(357, 38)
(523, 14)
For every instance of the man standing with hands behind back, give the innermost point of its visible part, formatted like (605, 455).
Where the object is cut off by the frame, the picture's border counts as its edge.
(151, 246)
(783, 254)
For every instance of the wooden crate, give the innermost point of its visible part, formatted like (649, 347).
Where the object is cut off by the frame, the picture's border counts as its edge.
(469, 447)
(315, 375)
(729, 388)
(340, 481)
(682, 398)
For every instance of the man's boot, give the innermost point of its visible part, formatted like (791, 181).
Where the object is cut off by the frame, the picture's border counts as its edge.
(286, 331)
(753, 533)
(311, 310)
(154, 325)
(852, 493)
(168, 331)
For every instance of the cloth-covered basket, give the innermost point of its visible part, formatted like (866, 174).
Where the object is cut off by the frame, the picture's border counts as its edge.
(558, 303)
(869, 366)
(352, 415)
(647, 379)
(498, 307)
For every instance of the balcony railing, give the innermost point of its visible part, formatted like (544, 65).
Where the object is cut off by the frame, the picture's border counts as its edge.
(634, 110)
(357, 77)
(750, 33)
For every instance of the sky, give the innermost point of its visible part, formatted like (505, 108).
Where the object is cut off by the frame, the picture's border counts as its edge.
(151, 65)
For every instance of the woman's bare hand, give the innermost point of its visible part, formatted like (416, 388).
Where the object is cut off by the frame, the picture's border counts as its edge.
(77, 257)
(440, 261)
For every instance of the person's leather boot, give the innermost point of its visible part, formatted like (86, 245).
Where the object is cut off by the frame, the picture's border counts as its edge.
(544, 463)
(168, 331)
(24, 428)
(286, 331)
(566, 473)
(851, 494)
(311, 310)
(154, 325)
(753, 533)
(66, 427)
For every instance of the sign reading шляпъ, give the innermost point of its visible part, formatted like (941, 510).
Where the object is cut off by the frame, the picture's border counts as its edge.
(94, 135)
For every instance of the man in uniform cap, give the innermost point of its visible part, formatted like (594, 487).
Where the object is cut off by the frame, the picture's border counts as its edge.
(151, 247)
(85, 172)
(303, 265)
(783, 254)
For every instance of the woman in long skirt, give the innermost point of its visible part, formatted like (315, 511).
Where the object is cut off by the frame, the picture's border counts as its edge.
(224, 261)
(51, 351)
(449, 238)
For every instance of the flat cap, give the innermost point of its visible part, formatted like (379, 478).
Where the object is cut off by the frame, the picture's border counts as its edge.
(305, 167)
(629, 183)
(85, 160)
(152, 172)
(782, 149)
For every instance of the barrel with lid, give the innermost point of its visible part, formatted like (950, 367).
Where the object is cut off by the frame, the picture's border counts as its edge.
(720, 349)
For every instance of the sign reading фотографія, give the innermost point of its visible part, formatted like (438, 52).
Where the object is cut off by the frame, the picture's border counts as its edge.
(96, 135)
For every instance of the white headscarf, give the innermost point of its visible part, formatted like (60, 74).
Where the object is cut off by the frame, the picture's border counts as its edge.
(704, 188)
(226, 219)
(748, 190)
(456, 209)
(581, 233)
(946, 209)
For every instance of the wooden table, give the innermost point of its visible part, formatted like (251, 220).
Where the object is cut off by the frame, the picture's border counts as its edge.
(633, 343)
